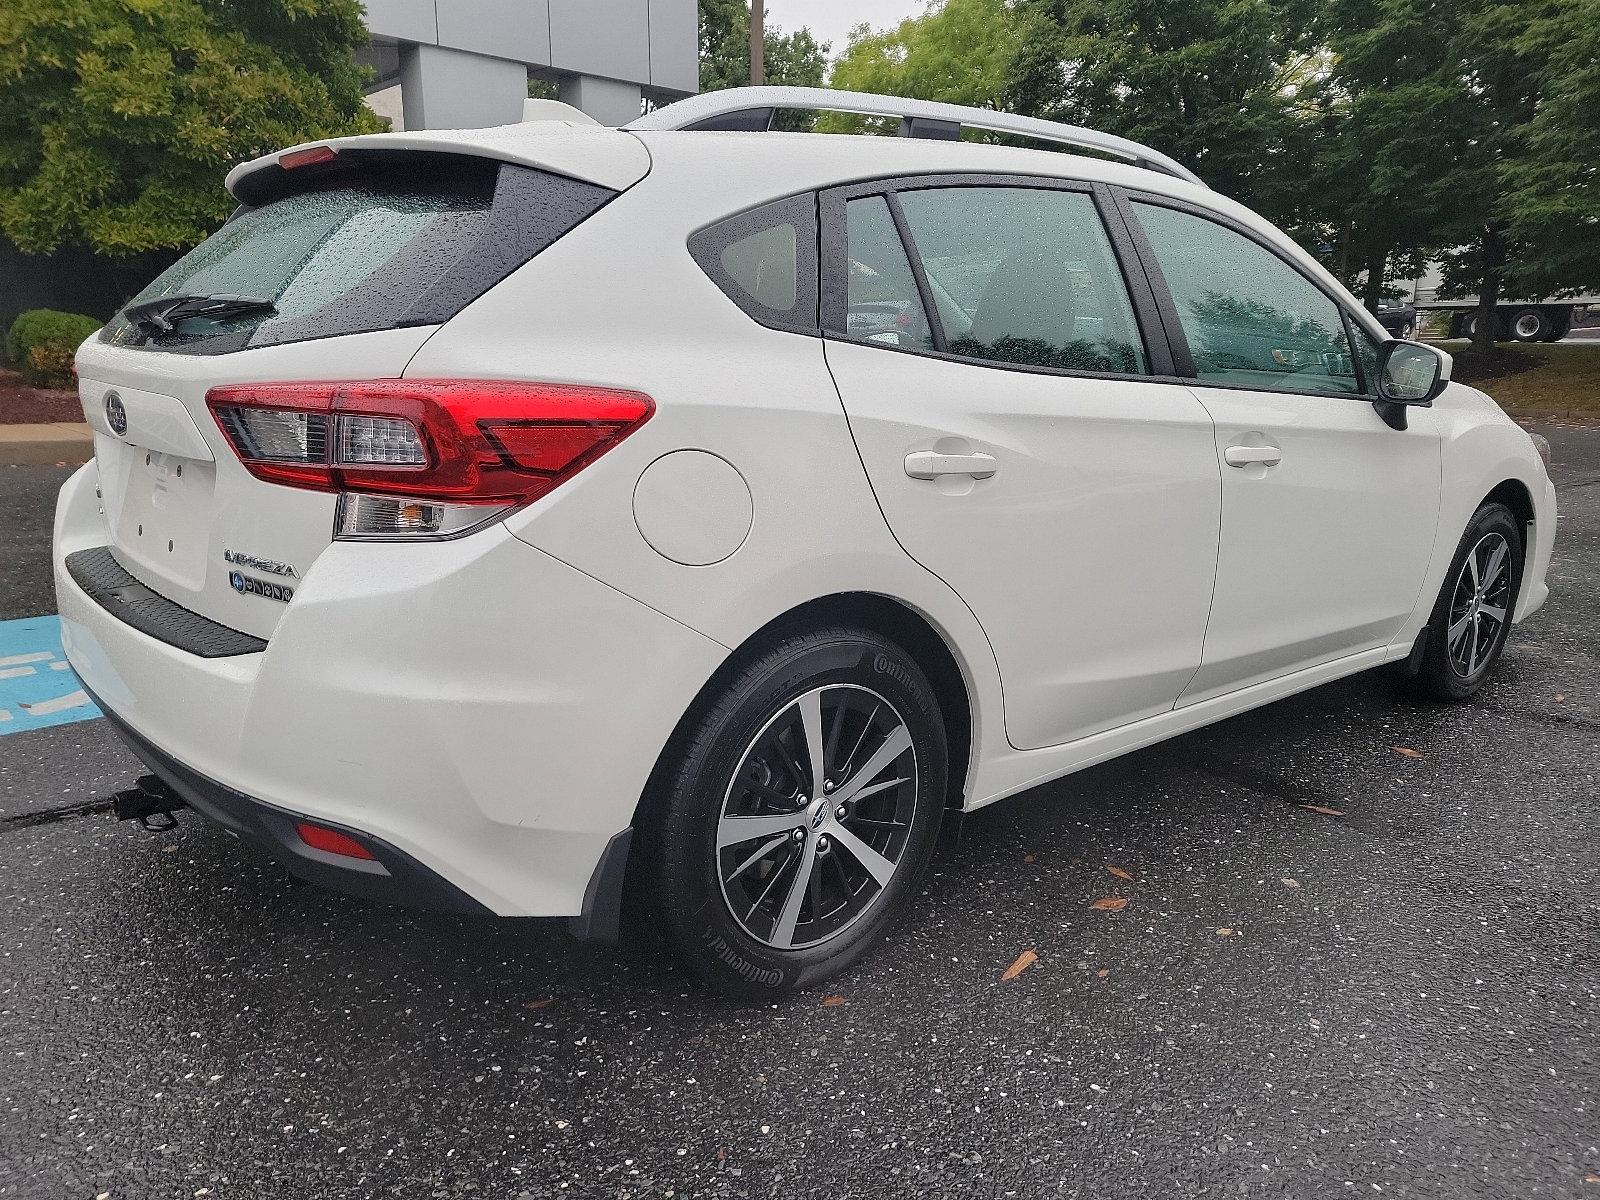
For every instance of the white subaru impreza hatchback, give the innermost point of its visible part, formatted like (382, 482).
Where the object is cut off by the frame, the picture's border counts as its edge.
(504, 521)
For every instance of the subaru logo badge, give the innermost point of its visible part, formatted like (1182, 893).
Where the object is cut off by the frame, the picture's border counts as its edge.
(116, 415)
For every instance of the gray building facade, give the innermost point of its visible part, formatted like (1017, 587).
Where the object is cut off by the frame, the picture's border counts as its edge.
(466, 63)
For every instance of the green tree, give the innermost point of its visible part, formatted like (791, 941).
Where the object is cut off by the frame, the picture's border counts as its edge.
(792, 59)
(1225, 86)
(119, 118)
(1390, 146)
(960, 52)
(1552, 187)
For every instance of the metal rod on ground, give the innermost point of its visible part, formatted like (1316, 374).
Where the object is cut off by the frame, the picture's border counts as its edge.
(758, 43)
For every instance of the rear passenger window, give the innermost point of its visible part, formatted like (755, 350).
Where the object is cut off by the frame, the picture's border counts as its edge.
(1252, 320)
(882, 301)
(1025, 276)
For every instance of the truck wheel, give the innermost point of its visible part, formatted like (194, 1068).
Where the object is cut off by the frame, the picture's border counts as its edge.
(1560, 326)
(1530, 325)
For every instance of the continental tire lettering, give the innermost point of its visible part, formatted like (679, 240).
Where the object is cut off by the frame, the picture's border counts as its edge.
(738, 964)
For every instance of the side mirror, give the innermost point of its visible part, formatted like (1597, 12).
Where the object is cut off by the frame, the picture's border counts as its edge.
(1409, 373)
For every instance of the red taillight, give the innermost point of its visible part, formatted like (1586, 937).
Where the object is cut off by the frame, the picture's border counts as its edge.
(308, 157)
(462, 441)
(331, 841)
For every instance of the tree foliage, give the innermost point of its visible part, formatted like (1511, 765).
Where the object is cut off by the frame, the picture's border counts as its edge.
(119, 118)
(792, 59)
(960, 52)
(1221, 85)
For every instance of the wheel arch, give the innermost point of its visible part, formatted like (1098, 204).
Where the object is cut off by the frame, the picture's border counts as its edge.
(885, 615)
(1514, 494)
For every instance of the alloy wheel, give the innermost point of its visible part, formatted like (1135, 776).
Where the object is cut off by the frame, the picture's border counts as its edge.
(1478, 605)
(817, 817)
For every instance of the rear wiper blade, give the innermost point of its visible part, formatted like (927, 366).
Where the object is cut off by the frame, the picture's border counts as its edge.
(160, 316)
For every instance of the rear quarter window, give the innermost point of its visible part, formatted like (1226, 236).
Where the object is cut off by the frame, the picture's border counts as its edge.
(404, 240)
(765, 261)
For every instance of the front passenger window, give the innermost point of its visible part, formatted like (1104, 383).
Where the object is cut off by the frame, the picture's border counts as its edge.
(1252, 320)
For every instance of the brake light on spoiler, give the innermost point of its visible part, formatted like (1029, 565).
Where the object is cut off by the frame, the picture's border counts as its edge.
(423, 458)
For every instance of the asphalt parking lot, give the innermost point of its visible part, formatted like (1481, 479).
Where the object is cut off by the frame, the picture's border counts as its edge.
(1342, 970)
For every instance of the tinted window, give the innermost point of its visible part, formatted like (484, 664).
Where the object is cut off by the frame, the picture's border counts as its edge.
(1026, 276)
(763, 265)
(765, 260)
(360, 250)
(1252, 320)
(882, 301)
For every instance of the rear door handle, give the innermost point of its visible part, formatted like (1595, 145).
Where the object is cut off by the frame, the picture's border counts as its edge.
(1243, 456)
(929, 464)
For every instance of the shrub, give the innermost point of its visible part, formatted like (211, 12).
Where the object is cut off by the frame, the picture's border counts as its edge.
(41, 344)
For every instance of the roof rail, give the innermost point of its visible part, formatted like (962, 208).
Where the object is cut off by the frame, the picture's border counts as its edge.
(751, 109)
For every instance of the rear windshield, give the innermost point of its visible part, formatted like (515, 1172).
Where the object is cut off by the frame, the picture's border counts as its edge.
(367, 247)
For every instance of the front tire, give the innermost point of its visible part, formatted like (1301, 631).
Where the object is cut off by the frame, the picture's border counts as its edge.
(1472, 616)
(801, 814)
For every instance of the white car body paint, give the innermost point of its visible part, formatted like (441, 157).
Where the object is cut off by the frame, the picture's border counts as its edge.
(494, 706)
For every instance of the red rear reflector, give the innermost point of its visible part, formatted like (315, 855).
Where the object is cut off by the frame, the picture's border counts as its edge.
(310, 156)
(331, 841)
(460, 441)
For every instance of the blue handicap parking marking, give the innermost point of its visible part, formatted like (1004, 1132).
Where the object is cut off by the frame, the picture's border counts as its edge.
(37, 687)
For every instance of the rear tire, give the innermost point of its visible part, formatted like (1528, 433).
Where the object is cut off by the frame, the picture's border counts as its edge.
(1471, 618)
(760, 883)
(1530, 325)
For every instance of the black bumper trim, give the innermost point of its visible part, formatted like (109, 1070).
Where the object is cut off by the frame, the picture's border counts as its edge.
(109, 584)
(394, 878)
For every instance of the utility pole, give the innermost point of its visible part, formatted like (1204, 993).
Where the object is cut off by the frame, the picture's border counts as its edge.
(758, 43)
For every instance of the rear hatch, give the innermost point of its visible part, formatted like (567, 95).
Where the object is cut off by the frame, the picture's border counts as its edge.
(352, 256)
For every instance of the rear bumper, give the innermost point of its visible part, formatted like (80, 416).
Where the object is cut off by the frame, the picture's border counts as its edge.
(488, 714)
(394, 877)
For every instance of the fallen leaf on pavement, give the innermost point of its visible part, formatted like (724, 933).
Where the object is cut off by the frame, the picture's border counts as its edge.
(1561, 699)
(1103, 972)
(1591, 1178)
(1224, 932)
(1111, 904)
(1027, 858)
(1287, 882)
(1408, 752)
(545, 1003)
(1024, 960)
(1327, 812)
(1119, 873)
(832, 1001)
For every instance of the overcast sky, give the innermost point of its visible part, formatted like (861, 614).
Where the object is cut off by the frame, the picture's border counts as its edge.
(832, 20)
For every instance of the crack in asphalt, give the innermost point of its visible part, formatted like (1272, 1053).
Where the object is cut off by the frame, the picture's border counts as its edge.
(1539, 717)
(50, 816)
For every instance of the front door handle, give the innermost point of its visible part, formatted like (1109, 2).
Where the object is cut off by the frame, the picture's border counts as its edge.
(1244, 456)
(930, 464)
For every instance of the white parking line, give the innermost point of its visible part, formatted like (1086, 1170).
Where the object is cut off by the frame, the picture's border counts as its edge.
(18, 659)
(15, 672)
(45, 707)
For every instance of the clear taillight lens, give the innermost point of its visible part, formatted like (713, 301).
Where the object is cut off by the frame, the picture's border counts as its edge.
(276, 435)
(388, 518)
(408, 453)
(386, 440)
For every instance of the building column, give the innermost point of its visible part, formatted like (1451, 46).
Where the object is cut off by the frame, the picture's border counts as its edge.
(442, 88)
(606, 100)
